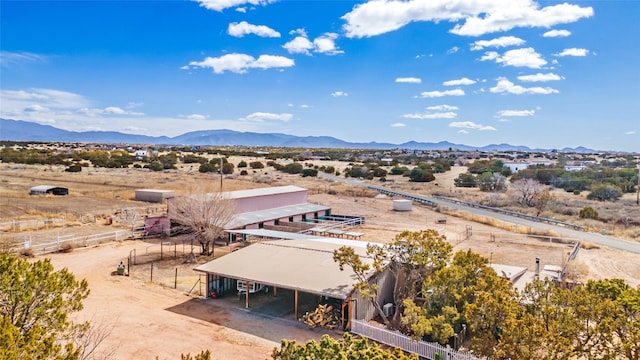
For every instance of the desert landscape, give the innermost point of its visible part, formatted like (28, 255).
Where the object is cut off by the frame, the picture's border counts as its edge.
(148, 319)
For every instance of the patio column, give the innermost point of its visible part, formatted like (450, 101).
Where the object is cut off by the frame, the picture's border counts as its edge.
(295, 306)
(246, 295)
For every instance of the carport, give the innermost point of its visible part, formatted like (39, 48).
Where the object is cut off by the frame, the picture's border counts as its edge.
(302, 265)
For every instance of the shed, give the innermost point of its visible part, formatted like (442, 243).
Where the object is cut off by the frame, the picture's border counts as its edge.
(48, 189)
(402, 205)
(152, 195)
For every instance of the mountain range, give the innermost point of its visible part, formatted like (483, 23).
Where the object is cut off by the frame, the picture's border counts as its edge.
(18, 130)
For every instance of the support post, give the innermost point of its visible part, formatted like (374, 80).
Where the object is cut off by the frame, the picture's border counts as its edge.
(246, 295)
(295, 307)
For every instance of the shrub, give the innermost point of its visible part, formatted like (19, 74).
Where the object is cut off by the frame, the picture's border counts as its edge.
(242, 164)
(244, 172)
(588, 212)
(605, 193)
(74, 168)
(309, 172)
(255, 165)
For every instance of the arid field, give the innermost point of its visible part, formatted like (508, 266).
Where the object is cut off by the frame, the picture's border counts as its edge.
(149, 319)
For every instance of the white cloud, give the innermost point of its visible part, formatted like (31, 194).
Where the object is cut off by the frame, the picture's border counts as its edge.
(323, 44)
(109, 110)
(299, 31)
(539, 77)
(424, 116)
(240, 63)
(326, 44)
(463, 132)
(244, 28)
(398, 125)
(526, 57)
(36, 108)
(573, 52)
(49, 98)
(241, 10)
(506, 86)
(8, 58)
(472, 18)
(458, 82)
(437, 94)
(503, 41)
(339, 94)
(265, 116)
(410, 80)
(195, 117)
(557, 33)
(631, 132)
(299, 45)
(471, 125)
(519, 113)
(453, 50)
(219, 5)
(442, 108)
(305, 106)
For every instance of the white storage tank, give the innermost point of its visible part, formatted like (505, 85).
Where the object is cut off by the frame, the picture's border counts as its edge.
(402, 205)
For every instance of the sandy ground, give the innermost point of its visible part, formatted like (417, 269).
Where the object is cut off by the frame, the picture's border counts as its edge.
(149, 319)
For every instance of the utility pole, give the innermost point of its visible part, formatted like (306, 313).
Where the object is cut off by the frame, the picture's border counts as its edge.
(638, 188)
(220, 173)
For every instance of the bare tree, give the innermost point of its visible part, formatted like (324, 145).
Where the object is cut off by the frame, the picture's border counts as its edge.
(526, 191)
(203, 215)
(542, 199)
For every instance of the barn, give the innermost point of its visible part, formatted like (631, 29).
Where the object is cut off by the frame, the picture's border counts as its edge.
(48, 189)
(272, 207)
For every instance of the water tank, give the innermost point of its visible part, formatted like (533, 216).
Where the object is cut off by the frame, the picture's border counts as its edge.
(402, 205)
(387, 309)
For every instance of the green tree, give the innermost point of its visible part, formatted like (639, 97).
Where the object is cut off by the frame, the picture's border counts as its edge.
(605, 192)
(588, 212)
(345, 348)
(465, 180)
(491, 182)
(35, 302)
(419, 174)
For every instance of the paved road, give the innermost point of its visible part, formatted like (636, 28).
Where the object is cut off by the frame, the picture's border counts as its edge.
(595, 238)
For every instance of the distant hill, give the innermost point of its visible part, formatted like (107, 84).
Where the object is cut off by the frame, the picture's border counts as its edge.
(18, 130)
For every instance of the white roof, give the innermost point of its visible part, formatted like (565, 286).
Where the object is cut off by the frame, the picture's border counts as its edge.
(285, 235)
(240, 194)
(303, 265)
(254, 217)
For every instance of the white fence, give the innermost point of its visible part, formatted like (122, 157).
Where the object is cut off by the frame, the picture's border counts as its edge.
(63, 242)
(396, 339)
(21, 225)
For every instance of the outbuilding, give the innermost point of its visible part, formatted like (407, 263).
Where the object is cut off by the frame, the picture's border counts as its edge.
(301, 264)
(48, 189)
(153, 195)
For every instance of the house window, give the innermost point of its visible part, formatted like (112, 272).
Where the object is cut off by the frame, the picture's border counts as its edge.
(290, 218)
(276, 222)
(261, 225)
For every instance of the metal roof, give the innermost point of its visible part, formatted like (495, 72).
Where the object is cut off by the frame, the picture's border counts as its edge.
(239, 194)
(285, 235)
(42, 188)
(304, 265)
(254, 217)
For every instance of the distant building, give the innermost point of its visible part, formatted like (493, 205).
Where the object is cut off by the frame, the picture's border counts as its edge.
(516, 166)
(48, 189)
(152, 195)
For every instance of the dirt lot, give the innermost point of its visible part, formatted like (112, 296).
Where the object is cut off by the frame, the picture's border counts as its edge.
(149, 319)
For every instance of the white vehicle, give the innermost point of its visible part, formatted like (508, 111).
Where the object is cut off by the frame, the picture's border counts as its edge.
(253, 287)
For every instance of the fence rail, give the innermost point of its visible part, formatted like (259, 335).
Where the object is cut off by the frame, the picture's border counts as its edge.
(20, 225)
(65, 242)
(513, 213)
(422, 348)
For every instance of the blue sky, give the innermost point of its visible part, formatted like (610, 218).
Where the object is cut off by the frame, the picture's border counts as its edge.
(542, 74)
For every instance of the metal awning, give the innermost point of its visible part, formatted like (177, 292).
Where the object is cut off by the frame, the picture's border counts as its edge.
(303, 265)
